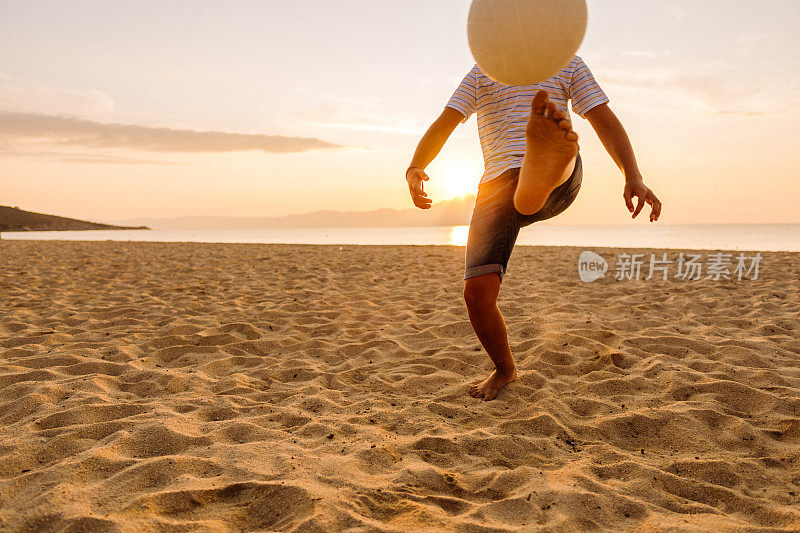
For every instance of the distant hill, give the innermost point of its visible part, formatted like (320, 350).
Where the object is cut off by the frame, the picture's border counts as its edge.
(15, 219)
(455, 212)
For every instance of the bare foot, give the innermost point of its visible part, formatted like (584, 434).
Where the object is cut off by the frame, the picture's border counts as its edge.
(549, 156)
(488, 389)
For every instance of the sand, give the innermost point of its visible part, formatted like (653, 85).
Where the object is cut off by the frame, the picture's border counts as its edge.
(208, 387)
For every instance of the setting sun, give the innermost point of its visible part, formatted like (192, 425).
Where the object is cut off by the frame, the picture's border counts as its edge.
(453, 179)
(458, 235)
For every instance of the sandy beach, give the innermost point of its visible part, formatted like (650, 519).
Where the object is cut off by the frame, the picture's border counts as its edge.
(209, 387)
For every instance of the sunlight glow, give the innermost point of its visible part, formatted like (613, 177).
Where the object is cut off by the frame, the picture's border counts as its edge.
(454, 179)
(458, 235)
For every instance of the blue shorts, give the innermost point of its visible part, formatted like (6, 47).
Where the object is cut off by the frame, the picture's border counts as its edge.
(496, 223)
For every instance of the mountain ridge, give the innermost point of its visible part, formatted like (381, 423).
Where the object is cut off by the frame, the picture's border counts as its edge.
(16, 219)
(454, 212)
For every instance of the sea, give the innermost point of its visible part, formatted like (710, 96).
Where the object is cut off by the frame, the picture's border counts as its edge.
(742, 237)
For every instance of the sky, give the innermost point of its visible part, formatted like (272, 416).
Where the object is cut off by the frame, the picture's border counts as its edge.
(117, 110)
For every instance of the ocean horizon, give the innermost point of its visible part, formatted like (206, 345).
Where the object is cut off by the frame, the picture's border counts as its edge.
(744, 237)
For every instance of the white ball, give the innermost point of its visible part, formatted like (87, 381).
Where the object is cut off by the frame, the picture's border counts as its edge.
(523, 42)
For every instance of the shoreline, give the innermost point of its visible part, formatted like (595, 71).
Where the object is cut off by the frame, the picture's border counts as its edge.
(732, 238)
(390, 245)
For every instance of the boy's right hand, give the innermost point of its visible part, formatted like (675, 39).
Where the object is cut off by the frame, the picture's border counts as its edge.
(415, 178)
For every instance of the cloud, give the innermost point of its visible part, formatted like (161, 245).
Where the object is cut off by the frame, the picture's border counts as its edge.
(27, 96)
(675, 11)
(359, 115)
(398, 130)
(96, 159)
(69, 131)
(647, 54)
(77, 157)
(718, 90)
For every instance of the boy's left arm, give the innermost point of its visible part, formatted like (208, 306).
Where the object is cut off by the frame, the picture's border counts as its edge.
(614, 138)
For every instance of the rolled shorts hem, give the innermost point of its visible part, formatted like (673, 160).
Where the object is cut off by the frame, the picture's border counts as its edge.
(480, 270)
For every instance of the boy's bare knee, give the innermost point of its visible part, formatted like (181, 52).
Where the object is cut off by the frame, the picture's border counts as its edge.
(476, 299)
(482, 291)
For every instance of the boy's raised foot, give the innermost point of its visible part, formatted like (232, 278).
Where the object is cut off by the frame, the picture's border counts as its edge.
(550, 153)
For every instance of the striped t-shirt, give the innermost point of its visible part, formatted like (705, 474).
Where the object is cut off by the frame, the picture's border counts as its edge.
(504, 110)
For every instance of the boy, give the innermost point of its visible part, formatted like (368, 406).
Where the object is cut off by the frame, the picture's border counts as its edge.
(533, 172)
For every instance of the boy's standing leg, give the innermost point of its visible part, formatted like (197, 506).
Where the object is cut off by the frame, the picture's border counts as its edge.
(480, 295)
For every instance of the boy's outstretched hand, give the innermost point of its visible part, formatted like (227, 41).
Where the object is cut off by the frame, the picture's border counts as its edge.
(637, 189)
(415, 178)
